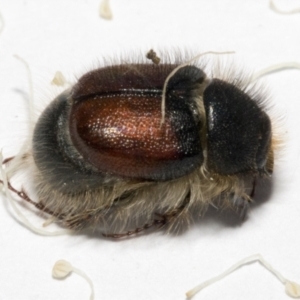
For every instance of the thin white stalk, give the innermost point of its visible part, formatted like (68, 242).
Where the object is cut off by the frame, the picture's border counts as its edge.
(31, 96)
(2, 25)
(82, 274)
(21, 217)
(292, 288)
(283, 12)
(275, 68)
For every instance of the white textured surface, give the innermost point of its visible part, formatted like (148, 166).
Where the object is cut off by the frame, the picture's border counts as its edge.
(69, 36)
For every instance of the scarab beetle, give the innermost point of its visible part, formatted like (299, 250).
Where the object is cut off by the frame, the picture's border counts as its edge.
(103, 157)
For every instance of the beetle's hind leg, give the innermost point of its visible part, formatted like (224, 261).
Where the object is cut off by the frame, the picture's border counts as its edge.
(168, 218)
(40, 206)
(135, 231)
(23, 195)
(241, 203)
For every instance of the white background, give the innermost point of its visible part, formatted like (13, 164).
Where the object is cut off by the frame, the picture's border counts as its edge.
(70, 36)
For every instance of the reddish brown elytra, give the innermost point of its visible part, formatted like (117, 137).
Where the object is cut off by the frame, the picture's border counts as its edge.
(117, 128)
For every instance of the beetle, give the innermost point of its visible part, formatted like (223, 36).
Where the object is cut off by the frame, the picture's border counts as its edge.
(135, 145)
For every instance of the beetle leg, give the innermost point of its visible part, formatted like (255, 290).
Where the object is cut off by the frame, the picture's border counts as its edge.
(38, 205)
(163, 219)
